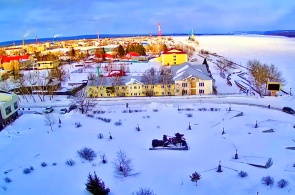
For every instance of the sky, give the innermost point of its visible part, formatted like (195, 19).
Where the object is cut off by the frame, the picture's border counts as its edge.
(47, 18)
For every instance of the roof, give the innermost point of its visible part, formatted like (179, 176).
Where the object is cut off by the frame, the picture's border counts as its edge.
(187, 70)
(174, 51)
(132, 53)
(10, 58)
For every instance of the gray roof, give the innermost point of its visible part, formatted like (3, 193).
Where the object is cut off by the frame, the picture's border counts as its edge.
(186, 70)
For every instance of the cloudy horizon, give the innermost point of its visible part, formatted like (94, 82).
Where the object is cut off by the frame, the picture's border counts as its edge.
(23, 18)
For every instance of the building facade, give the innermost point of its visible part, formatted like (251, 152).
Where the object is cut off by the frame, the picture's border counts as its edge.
(173, 57)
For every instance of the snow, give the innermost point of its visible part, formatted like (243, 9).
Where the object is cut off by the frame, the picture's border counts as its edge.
(28, 142)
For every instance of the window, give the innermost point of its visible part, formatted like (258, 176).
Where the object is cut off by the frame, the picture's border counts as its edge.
(135, 94)
(138, 87)
(130, 87)
(184, 84)
(163, 93)
(201, 91)
(108, 95)
(135, 87)
(139, 94)
(153, 86)
(201, 84)
(162, 86)
(169, 86)
(131, 94)
(15, 105)
(8, 110)
(169, 93)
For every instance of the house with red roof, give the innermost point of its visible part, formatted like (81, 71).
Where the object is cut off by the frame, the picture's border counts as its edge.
(15, 62)
(132, 54)
(173, 57)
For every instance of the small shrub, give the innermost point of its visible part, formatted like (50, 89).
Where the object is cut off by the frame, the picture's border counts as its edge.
(7, 179)
(100, 136)
(147, 116)
(54, 164)
(32, 168)
(189, 115)
(27, 171)
(43, 164)
(96, 186)
(144, 191)
(103, 158)
(4, 188)
(195, 177)
(70, 162)
(118, 123)
(78, 124)
(282, 183)
(87, 154)
(243, 174)
(90, 115)
(268, 163)
(155, 110)
(269, 181)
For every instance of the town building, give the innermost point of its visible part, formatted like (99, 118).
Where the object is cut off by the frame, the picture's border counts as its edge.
(173, 57)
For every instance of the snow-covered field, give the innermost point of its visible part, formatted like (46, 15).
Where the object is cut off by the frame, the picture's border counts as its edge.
(28, 142)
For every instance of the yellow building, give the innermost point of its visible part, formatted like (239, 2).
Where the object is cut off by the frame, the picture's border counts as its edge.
(11, 63)
(192, 80)
(50, 64)
(128, 87)
(173, 57)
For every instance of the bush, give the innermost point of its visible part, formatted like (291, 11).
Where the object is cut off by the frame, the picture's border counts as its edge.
(87, 154)
(103, 158)
(243, 174)
(123, 164)
(100, 136)
(54, 164)
(267, 181)
(43, 164)
(282, 183)
(144, 191)
(95, 186)
(7, 179)
(118, 123)
(70, 162)
(78, 124)
(195, 177)
(155, 110)
(27, 171)
(268, 163)
(189, 115)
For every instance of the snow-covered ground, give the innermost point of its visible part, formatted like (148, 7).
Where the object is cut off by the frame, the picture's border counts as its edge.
(28, 142)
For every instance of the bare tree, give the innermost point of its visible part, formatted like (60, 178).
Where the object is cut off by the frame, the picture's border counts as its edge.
(166, 78)
(84, 103)
(116, 82)
(122, 164)
(263, 73)
(150, 77)
(49, 120)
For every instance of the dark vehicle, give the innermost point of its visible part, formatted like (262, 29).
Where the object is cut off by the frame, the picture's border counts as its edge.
(72, 107)
(48, 110)
(288, 110)
(63, 111)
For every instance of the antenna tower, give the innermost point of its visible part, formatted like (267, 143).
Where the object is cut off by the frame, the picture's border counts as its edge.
(159, 29)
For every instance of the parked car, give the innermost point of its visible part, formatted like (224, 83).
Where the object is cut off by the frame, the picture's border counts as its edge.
(63, 111)
(72, 107)
(48, 109)
(288, 110)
